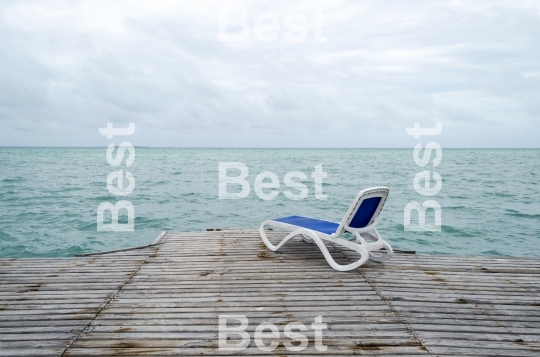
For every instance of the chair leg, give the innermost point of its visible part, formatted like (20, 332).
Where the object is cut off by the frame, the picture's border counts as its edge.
(380, 256)
(364, 254)
(374, 248)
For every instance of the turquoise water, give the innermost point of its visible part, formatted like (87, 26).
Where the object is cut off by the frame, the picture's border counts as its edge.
(49, 196)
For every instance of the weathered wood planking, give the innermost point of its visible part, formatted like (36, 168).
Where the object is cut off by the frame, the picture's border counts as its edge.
(45, 304)
(165, 300)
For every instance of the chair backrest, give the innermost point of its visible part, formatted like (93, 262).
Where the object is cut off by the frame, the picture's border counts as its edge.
(364, 210)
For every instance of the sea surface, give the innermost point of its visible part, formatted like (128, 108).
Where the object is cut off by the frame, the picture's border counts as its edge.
(490, 199)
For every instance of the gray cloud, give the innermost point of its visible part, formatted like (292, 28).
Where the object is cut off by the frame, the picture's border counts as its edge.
(68, 68)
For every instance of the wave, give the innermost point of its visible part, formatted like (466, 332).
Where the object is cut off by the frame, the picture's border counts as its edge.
(514, 213)
(14, 180)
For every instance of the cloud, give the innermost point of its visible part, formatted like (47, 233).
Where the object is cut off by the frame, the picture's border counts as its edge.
(67, 68)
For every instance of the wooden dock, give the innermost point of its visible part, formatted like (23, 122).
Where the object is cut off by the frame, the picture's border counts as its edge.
(165, 299)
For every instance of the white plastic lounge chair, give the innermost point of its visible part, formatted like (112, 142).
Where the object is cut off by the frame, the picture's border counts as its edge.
(360, 220)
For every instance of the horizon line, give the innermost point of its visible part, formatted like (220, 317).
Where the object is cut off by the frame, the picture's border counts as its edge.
(262, 148)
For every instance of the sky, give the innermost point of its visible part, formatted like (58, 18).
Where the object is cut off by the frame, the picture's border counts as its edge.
(351, 74)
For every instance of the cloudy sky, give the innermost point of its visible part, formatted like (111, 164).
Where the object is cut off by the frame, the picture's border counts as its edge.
(356, 76)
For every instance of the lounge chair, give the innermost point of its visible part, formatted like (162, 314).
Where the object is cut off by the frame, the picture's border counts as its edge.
(360, 220)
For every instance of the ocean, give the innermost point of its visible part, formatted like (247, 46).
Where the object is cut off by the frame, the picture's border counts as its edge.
(490, 198)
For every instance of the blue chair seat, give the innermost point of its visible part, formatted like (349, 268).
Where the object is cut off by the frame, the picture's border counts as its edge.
(318, 225)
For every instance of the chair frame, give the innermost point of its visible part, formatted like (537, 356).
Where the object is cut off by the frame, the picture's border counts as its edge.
(368, 249)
